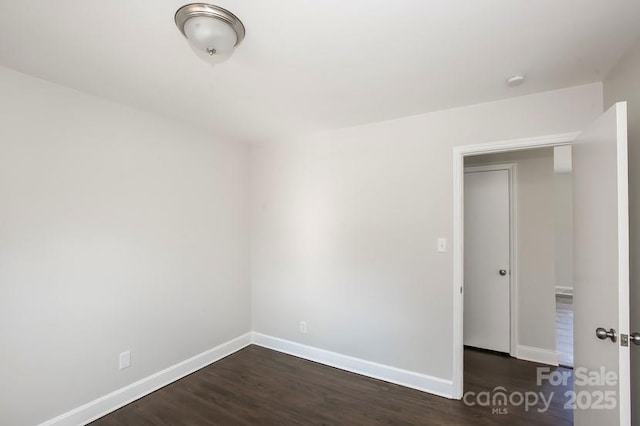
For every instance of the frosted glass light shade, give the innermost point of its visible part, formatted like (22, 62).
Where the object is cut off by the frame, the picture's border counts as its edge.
(213, 32)
(211, 36)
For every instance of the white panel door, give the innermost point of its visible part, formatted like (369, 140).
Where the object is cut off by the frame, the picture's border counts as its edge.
(486, 260)
(601, 267)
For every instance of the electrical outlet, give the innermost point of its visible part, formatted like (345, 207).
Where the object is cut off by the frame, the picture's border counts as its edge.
(303, 327)
(125, 360)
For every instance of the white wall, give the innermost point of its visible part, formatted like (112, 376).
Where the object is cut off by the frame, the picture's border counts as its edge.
(344, 227)
(623, 84)
(536, 243)
(118, 230)
(564, 229)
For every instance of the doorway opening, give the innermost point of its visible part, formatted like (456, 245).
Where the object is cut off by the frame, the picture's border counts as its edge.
(601, 249)
(511, 258)
(518, 254)
(460, 154)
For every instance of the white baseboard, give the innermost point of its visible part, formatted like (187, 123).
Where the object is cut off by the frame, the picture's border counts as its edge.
(543, 356)
(423, 382)
(121, 397)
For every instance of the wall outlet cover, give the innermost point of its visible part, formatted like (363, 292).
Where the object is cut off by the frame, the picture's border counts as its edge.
(125, 360)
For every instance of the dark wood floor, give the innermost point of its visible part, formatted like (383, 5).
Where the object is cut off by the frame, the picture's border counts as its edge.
(260, 386)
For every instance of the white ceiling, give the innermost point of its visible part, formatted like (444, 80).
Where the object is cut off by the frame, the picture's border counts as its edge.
(310, 65)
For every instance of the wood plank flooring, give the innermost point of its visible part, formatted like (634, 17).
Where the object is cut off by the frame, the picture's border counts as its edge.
(257, 386)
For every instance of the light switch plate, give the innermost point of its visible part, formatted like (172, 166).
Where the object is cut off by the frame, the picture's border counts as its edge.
(442, 245)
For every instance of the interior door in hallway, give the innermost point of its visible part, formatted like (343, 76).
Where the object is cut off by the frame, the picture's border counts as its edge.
(487, 259)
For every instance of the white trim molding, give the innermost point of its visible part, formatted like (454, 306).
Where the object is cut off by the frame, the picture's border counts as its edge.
(123, 396)
(459, 152)
(543, 356)
(410, 379)
(119, 398)
(623, 259)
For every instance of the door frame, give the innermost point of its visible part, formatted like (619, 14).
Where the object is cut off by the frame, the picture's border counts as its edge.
(459, 152)
(513, 243)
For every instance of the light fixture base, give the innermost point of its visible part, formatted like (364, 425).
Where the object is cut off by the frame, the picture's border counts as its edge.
(515, 80)
(193, 10)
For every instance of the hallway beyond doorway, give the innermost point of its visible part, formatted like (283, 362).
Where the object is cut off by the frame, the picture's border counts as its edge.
(564, 329)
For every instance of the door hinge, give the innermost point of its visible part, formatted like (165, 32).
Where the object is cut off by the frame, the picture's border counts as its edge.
(624, 340)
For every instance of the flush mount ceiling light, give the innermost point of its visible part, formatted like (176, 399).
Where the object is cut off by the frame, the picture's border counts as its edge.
(515, 80)
(212, 32)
